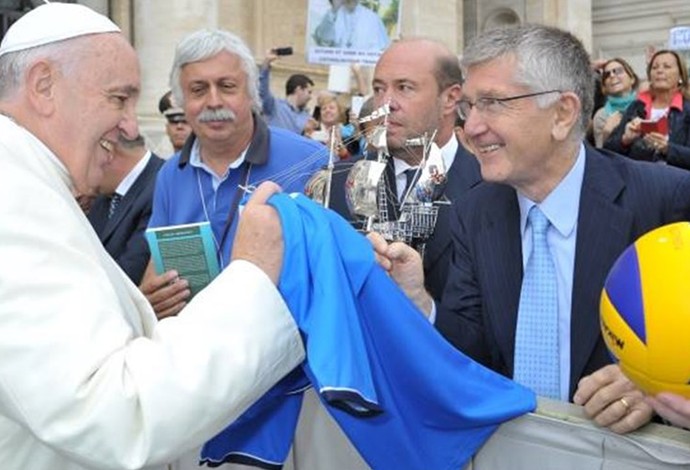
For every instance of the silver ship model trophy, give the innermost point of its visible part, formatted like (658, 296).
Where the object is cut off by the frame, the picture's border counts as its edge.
(413, 219)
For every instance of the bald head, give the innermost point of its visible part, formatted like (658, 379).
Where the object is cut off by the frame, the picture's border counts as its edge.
(421, 81)
(429, 54)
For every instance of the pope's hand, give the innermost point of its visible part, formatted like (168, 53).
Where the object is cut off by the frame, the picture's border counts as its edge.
(259, 237)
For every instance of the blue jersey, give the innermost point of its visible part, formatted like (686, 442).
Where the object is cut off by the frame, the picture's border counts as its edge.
(185, 193)
(404, 397)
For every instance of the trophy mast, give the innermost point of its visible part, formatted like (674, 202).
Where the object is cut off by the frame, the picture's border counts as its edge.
(380, 143)
(329, 169)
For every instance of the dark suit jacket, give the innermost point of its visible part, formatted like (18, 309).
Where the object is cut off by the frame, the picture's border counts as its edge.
(621, 199)
(463, 174)
(123, 235)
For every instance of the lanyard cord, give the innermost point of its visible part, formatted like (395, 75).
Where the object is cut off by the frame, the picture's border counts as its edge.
(239, 192)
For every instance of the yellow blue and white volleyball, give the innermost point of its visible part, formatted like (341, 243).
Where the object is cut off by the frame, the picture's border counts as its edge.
(645, 310)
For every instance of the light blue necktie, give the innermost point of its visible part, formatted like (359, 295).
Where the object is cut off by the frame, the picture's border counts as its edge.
(536, 335)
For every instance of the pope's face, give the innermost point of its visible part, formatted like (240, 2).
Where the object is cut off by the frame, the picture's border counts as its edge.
(95, 103)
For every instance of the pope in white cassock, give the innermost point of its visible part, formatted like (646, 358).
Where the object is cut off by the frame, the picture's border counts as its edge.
(353, 26)
(88, 377)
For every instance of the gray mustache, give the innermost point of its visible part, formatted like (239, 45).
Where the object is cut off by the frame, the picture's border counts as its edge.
(216, 115)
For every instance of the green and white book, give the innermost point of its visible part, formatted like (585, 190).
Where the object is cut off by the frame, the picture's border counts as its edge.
(188, 249)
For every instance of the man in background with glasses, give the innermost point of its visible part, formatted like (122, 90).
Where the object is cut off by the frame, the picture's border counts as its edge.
(534, 242)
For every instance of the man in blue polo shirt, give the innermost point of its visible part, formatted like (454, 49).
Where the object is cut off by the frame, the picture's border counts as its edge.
(214, 79)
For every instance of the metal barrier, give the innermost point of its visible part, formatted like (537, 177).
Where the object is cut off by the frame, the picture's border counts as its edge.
(559, 437)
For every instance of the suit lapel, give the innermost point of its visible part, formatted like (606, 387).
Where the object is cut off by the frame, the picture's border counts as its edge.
(130, 198)
(122, 210)
(499, 244)
(98, 215)
(603, 232)
(462, 175)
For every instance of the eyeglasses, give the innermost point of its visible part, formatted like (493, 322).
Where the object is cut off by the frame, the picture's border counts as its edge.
(617, 71)
(492, 105)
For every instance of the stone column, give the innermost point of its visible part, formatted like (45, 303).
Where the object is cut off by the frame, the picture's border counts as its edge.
(101, 6)
(571, 15)
(157, 28)
(436, 19)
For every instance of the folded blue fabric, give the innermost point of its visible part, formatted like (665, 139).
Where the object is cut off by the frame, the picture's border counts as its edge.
(404, 397)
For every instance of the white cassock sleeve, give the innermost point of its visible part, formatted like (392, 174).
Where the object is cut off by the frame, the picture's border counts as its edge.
(88, 378)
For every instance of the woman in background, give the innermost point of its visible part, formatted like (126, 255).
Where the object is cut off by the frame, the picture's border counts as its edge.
(667, 101)
(618, 84)
(334, 130)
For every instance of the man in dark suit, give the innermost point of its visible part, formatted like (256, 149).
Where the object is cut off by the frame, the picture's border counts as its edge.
(527, 100)
(121, 212)
(421, 81)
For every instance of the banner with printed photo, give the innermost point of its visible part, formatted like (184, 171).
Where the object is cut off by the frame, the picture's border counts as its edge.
(351, 31)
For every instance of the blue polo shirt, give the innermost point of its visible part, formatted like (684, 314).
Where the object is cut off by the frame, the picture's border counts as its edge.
(186, 193)
(404, 397)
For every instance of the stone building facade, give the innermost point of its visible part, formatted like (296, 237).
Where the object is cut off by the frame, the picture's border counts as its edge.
(607, 27)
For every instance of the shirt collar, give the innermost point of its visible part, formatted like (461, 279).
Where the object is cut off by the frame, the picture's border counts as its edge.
(448, 152)
(256, 153)
(132, 176)
(401, 166)
(646, 98)
(562, 205)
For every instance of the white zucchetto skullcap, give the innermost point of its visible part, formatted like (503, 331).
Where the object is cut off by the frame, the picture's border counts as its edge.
(54, 22)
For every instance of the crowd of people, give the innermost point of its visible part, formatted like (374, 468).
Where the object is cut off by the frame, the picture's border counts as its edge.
(666, 103)
(127, 372)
